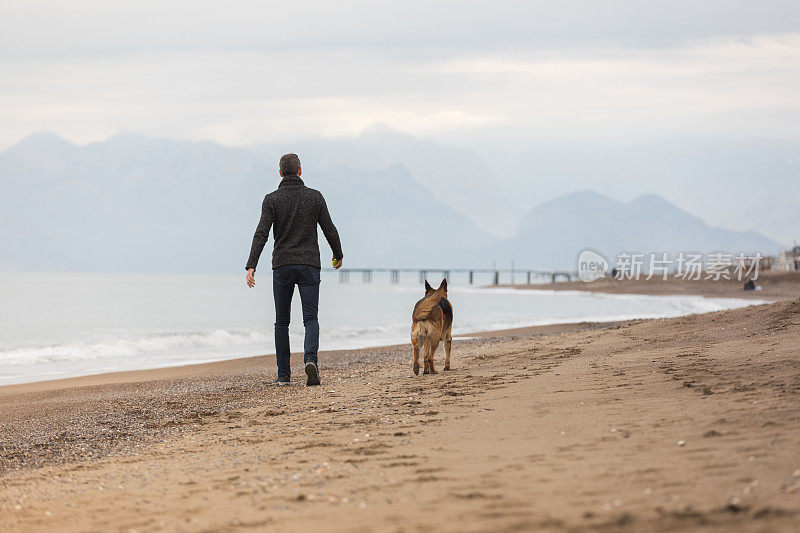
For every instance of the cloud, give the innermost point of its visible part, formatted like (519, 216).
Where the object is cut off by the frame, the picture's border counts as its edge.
(250, 72)
(729, 87)
(43, 29)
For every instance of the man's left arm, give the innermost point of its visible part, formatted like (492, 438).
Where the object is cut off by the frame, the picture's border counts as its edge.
(330, 232)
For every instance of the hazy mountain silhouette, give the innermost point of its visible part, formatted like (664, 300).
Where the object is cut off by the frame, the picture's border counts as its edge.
(753, 182)
(455, 176)
(135, 204)
(554, 232)
(776, 216)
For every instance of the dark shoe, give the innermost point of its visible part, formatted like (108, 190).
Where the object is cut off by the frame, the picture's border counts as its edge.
(312, 373)
(281, 381)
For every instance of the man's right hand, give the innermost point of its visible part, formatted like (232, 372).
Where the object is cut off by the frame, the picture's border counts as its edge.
(251, 277)
(337, 263)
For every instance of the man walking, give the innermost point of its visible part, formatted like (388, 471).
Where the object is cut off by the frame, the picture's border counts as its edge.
(294, 211)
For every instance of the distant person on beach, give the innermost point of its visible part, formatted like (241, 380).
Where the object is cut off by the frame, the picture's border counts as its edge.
(294, 211)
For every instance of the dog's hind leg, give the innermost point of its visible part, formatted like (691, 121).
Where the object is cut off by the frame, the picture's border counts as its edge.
(448, 344)
(434, 346)
(415, 342)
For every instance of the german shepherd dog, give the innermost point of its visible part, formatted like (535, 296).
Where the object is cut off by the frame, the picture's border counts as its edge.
(432, 322)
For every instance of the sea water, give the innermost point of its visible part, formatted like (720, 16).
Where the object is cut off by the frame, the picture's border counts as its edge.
(62, 325)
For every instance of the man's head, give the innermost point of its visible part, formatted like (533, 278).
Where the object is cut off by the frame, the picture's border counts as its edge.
(290, 165)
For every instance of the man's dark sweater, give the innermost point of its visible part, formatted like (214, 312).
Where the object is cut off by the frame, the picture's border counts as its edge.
(294, 210)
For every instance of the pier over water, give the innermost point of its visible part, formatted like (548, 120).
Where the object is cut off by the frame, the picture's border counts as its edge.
(496, 275)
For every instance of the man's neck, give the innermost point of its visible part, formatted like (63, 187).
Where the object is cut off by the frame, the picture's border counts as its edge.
(289, 181)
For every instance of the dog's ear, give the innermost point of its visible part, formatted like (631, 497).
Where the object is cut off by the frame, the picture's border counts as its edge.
(443, 285)
(428, 287)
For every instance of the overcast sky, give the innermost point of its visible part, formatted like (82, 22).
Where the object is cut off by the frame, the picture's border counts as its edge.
(462, 72)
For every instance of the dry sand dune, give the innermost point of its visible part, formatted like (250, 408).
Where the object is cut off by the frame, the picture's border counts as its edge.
(667, 424)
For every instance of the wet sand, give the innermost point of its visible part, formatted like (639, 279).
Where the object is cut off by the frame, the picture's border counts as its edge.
(674, 424)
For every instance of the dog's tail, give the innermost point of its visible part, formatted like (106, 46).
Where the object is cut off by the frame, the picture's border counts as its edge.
(426, 307)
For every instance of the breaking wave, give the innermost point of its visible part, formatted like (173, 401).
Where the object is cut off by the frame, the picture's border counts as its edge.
(127, 348)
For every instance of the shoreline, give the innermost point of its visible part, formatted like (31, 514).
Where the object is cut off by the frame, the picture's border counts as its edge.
(190, 370)
(778, 287)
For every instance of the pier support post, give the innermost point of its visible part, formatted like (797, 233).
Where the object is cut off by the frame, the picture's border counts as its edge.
(496, 277)
(470, 277)
(529, 277)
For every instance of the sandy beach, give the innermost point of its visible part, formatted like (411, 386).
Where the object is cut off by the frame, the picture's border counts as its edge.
(672, 424)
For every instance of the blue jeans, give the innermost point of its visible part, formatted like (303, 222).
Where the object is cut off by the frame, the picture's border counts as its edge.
(283, 281)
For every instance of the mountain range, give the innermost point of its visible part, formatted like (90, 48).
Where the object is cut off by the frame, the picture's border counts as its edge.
(134, 204)
(742, 184)
(137, 204)
(454, 176)
(553, 233)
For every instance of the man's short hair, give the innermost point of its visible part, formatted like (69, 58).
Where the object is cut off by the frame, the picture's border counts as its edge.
(290, 165)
